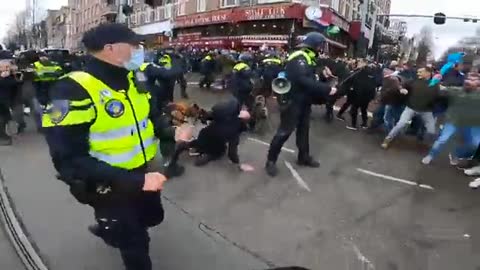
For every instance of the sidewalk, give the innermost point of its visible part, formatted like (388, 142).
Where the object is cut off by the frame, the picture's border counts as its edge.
(58, 224)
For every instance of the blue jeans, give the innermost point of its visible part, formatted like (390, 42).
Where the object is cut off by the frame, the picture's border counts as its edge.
(471, 140)
(391, 116)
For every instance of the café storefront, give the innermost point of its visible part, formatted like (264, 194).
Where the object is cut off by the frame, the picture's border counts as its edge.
(270, 25)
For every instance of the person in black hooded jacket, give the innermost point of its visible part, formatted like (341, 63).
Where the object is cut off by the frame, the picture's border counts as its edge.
(9, 87)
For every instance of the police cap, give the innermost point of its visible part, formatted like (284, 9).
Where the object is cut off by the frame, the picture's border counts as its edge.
(109, 33)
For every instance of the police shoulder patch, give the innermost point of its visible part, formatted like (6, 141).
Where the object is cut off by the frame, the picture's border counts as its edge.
(58, 110)
(115, 108)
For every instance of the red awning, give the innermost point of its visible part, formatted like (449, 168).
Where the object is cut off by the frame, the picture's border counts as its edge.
(260, 42)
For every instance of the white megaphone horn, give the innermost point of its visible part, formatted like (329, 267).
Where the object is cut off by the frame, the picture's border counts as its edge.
(281, 85)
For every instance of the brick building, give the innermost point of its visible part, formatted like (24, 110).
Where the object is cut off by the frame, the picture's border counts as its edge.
(85, 14)
(56, 23)
(249, 23)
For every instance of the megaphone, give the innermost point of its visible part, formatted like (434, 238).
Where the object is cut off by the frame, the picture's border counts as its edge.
(281, 87)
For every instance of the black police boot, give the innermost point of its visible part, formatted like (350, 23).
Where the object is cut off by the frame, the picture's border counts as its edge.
(202, 160)
(271, 168)
(308, 162)
(4, 138)
(21, 127)
(95, 230)
(5, 141)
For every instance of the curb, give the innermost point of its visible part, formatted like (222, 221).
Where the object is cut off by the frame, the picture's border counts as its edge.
(26, 249)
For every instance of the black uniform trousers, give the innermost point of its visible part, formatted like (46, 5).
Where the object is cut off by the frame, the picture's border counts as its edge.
(354, 112)
(183, 85)
(5, 116)
(124, 225)
(207, 80)
(294, 117)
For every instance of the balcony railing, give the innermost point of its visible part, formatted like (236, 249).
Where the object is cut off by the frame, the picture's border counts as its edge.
(110, 10)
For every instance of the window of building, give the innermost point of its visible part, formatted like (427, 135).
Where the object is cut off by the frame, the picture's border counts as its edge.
(168, 11)
(229, 3)
(181, 8)
(147, 14)
(201, 5)
(348, 16)
(341, 8)
(133, 19)
(158, 10)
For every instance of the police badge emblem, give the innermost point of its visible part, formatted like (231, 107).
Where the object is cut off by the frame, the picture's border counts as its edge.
(58, 110)
(115, 108)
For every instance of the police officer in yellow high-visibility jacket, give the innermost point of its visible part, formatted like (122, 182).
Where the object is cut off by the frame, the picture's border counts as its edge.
(241, 83)
(46, 73)
(295, 115)
(103, 131)
(160, 81)
(269, 69)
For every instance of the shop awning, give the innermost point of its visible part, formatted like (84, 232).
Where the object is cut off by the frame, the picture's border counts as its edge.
(154, 28)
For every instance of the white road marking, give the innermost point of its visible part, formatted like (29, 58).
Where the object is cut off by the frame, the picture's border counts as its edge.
(391, 178)
(267, 144)
(365, 261)
(193, 83)
(297, 177)
(337, 108)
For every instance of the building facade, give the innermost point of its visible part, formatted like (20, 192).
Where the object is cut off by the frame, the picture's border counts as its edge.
(154, 23)
(85, 14)
(56, 22)
(397, 29)
(255, 23)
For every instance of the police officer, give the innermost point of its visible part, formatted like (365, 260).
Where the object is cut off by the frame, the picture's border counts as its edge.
(207, 67)
(270, 67)
(242, 80)
(181, 80)
(46, 74)
(305, 86)
(102, 132)
(160, 78)
(167, 84)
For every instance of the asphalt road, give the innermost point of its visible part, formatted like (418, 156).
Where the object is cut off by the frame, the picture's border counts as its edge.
(8, 257)
(363, 209)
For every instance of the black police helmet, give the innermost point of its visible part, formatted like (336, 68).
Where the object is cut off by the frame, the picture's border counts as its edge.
(312, 40)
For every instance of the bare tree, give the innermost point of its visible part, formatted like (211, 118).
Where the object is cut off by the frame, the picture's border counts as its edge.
(425, 45)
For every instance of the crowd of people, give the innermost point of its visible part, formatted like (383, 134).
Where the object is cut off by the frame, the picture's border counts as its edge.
(103, 120)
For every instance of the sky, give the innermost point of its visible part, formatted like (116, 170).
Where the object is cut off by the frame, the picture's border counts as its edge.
(444, 35)
(8, 12)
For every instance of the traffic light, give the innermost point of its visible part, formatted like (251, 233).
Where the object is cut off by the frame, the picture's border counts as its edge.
(439, 18)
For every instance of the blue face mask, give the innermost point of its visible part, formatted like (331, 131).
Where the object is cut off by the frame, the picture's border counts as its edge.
(138, 57)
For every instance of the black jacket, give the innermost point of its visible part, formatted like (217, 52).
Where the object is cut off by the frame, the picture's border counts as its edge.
(241, 83)
(69, 145)
(421, 96)
(160, 79)
(305, 84)
(363, 84)
(9, 89)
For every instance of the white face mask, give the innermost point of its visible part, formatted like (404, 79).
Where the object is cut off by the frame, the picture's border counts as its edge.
(137, 59)
(5, 74)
